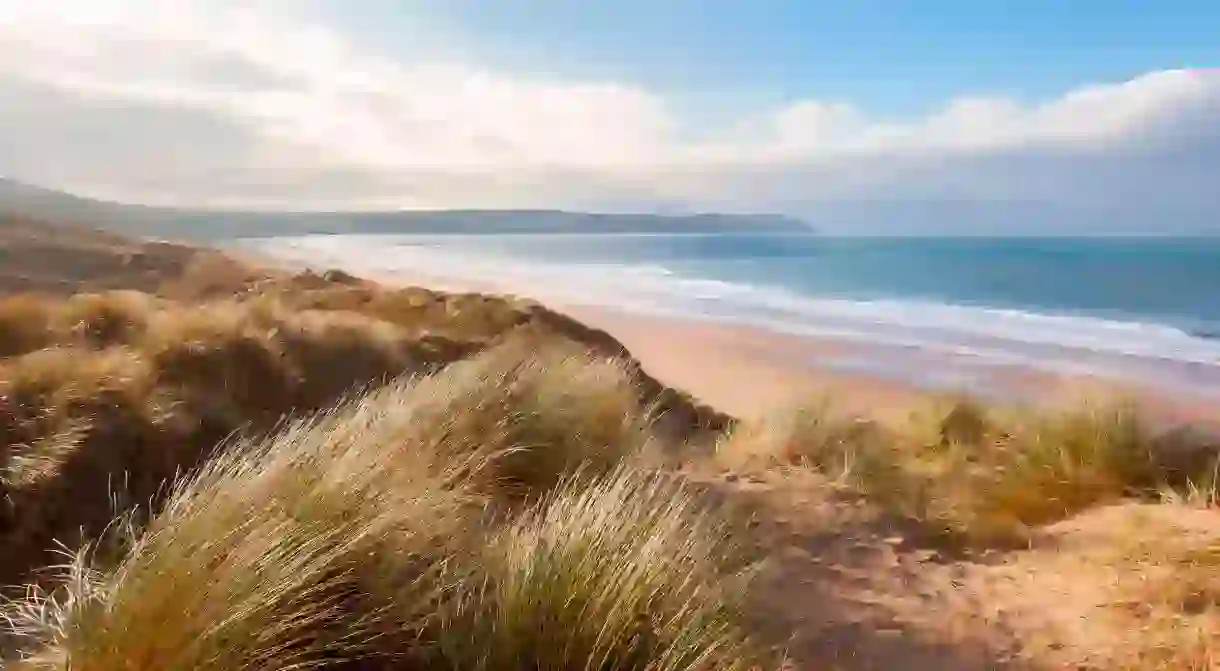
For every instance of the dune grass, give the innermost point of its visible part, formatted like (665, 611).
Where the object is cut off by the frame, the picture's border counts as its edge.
(811, 434)
(24, 324)
(366, 537)
(120, 391)
(624, 572)
(1175, 605)
(984, 474)
(540, 414)
(493, 506)
(1130, 586)
(258, 560)
(128, 391)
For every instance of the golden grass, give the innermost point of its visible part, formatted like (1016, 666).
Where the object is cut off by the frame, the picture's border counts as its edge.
(101, 320)
(359, 539)
(541, 415)
(1130, 586)
(488, 508)
(814, 435)
(1175, 604)
(24, 324)
(460, 315)
(136, 390)
(985, 474)
(627, 572)
(255, 561)
(119, 391)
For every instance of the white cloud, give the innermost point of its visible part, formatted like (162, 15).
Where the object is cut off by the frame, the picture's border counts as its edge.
(232, 103)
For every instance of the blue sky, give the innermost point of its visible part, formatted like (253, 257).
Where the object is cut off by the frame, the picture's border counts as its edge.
(946, 116)
(892, 57)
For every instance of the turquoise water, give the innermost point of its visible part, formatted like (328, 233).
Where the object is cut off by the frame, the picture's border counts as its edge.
(1140, 308)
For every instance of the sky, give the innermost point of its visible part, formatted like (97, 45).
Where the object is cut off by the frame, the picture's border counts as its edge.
(870, 116)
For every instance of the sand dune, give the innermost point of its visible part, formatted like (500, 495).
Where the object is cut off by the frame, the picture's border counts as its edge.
(42, 257)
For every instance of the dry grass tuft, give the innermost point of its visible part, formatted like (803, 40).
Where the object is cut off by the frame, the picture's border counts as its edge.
(30, 323)
(357, 539)
(121, 390)
(814, 435)
(272, 556)
(540, 416)
(987, 475)
(103, 320)
(626, 572)
(1044, 467)
(145, 389)
(24, 324)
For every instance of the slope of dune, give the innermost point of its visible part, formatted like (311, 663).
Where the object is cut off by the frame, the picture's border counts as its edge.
(42, 257)
(502, 502)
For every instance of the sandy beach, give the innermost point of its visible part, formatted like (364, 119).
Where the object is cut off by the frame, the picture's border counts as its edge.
(888, 589)
(743, 370)
(748, 370)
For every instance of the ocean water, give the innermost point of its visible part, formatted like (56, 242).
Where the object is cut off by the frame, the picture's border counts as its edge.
(948, 312)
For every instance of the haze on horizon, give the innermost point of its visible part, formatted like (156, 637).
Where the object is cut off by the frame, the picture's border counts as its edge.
(892, 117)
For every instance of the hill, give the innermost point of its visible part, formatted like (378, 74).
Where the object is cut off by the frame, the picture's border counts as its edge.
(36, 256)
(215, 225)
(98, 331)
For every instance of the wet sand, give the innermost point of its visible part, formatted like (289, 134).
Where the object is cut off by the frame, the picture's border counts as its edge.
(747, 371)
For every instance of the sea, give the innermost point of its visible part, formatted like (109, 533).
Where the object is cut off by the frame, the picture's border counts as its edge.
(943, 312)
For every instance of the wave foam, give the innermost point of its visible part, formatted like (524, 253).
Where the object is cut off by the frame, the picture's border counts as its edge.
(1063, 342)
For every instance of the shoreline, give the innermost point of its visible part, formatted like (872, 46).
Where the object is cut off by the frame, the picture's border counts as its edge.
(747, 369)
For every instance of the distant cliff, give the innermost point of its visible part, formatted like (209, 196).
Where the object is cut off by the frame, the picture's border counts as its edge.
(211, 225)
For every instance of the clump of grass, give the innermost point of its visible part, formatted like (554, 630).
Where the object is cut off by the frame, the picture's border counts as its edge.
(24, 324)
(1024, 468)
(46, 388)
(77, 423)
(1046, 467)
(105, 319)
(812, 435)
(264, 559)
(212, 276)
(335, 349)
(542, 414)
(356, 540)
(460, 316)
(1163, 599)
(225, 355)
(143, 411)
(626, 572)
(987, 475)
(30, 322)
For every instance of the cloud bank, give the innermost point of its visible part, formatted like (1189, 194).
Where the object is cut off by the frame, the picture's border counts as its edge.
(212, 103)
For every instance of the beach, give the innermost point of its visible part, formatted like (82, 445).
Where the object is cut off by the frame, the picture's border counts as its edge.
(743, 370)
(749, 371)
(917, 557)
(870, 358)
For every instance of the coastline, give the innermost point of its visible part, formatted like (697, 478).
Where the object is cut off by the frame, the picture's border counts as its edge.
(748, 370)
